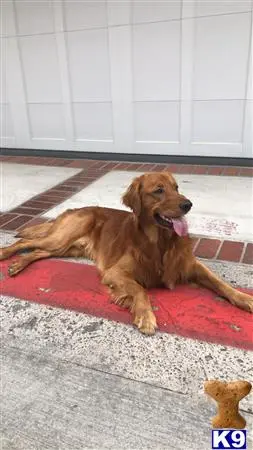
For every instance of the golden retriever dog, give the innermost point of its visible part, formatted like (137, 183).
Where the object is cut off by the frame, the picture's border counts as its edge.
(133, 251)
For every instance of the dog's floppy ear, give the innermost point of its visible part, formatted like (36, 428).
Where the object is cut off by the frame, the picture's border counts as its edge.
(132, 197)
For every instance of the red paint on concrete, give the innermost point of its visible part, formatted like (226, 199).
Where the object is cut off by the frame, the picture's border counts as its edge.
(185, 311)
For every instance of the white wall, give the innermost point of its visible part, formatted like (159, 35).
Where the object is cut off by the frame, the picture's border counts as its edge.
(142, 77)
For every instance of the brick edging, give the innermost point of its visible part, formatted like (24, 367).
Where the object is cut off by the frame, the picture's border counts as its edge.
(223, 250)
(29, 213)
(117, 165)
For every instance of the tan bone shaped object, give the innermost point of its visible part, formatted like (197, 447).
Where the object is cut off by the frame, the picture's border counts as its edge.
(228, 395)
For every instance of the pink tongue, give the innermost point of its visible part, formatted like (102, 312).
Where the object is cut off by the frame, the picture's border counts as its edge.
(180, 226)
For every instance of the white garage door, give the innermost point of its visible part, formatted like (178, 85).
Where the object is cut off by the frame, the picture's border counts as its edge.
(171, 77)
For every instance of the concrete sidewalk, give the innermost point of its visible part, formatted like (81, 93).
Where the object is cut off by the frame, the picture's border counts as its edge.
(51, 403)
(71, 381)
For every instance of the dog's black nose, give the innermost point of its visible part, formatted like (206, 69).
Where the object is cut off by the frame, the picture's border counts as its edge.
(186, 206)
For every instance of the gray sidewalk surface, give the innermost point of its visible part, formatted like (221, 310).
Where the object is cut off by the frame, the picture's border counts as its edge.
(71, 381)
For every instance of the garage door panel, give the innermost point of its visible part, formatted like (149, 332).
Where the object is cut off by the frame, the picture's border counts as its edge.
(145, 76)
(46, 121)
(218, 121)
(153, 11)
(40, 68)
(34, 17)
(89, 65)
(119, 13)
(7, 19)
(221, 56)
(3, 70)
(93, 121)
(156, 61)
(6, 122)
(85, 14)
(248, 127)
(232, 150)
(249, 95)
(210, 7)
(157, 121)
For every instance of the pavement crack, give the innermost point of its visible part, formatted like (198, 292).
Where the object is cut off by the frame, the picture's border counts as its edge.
(123, 377)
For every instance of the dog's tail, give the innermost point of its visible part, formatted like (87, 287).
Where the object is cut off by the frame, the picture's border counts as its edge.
(35, 231)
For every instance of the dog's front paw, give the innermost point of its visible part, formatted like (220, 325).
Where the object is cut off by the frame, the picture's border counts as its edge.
(14, 268)
(244, 301)
(145, 322)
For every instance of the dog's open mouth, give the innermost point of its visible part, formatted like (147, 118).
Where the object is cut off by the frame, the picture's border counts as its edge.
(179, 224)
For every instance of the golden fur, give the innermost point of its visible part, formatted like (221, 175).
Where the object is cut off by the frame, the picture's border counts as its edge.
(132, 250)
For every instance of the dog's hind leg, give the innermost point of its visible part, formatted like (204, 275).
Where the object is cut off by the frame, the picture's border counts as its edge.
(35, 231)
(24, 260)
(66, 229)
(11, 250)
(28, 235)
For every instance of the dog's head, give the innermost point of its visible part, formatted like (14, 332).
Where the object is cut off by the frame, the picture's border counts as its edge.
(155, 197)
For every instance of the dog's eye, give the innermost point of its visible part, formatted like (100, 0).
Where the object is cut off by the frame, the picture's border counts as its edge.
(159, 190)
(176, 187)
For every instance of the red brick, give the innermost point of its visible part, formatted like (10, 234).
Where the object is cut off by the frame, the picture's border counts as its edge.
(74, 188)
(195, 241)
(5, 218)
(37, 204)
(235, 171)
(17, 159)
(79, 180)
(17, 223)
(5, 158)
(94, 174)
(59, 193)
(111, 165)
(174, 168)
(76, 184)
(231, 251)
(99, 164)
(160, 167)
(53, 199)
(37, 160)
(65, 187)
(186, 168)
(134, 166)
(122, 166)
(81, 163)
(28, 211)
(201, 170)
(248, 255)
(80, 174)
(207, 248)
(72, 181)
(47, 161)
(215, 170)
(246, 172)
(148, 167)
(154, 168)
(60, 162)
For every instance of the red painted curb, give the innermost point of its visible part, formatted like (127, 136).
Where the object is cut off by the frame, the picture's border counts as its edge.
(185, 311)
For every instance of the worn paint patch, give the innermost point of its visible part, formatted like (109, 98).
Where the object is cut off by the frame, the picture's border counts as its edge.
(2, 277)
(185, 311)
